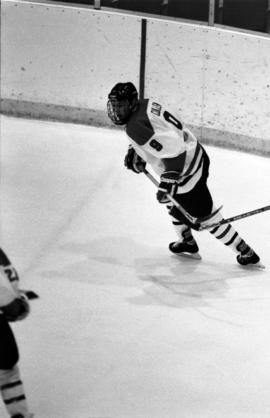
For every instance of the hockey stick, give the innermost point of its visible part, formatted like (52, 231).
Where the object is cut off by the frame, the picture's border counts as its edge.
(192, 219)
(196, 222)
(235, 218)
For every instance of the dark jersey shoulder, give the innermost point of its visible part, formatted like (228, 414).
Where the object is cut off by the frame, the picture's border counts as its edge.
(139, 128)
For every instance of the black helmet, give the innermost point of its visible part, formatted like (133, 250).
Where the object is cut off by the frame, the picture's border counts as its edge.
(122, 101)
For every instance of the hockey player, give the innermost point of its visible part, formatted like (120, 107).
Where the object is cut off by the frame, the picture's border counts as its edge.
(158, 137)
(14, 306)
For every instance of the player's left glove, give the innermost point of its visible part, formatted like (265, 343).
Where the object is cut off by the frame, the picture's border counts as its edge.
(17, 310)
(167, 186)
(134, 162)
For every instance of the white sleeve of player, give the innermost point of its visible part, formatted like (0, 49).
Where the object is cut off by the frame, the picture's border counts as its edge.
(7, 293)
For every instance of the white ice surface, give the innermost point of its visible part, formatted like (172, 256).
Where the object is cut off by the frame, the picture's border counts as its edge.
(123, 329)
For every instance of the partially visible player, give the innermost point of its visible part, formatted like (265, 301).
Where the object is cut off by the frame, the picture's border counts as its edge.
(14, 306)
(159, 137)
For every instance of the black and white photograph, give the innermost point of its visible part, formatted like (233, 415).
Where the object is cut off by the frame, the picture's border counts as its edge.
(135, 209)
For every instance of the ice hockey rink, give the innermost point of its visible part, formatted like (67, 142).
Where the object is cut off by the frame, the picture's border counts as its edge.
(122, 328)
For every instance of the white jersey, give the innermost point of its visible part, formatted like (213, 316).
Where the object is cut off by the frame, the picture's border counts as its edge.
(9, 280)
(161, 139)
(7, 292)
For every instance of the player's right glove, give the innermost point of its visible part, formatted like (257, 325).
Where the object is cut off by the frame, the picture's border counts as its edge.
(16, 310)
(167, 186)
(134, 162)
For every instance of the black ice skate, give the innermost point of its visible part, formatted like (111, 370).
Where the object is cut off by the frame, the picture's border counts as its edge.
(185, 248)
(248, 257)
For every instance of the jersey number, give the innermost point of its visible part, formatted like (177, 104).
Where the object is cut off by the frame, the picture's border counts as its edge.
(156, 145)
(171, 119)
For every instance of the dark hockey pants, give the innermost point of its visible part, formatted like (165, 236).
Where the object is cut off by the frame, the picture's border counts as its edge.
(198, 202)
(9, 354)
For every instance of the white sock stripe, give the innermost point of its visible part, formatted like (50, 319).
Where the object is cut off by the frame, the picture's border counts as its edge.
(226, 235)
(218, 230)
(15, 399)
(233, 241)
(13, 392)
(11, 385)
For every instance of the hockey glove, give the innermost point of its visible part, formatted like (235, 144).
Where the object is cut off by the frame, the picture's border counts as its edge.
(134, 162)
(167, 186)
(17, 310)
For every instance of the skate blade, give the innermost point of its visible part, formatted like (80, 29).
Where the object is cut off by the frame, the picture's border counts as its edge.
(257, 266)
(195, 256)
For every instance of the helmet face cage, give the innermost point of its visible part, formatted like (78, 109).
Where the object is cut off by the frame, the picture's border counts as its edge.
(122, 100)
(118, 111)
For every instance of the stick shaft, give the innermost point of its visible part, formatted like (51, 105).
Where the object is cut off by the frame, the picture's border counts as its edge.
(237, 217)
(191, 218)
(194, 220)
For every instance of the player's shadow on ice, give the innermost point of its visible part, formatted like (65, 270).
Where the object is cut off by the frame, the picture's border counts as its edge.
(161, 277)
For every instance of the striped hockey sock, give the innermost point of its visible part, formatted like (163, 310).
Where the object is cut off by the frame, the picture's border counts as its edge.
(12, 392)
(228, 235)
